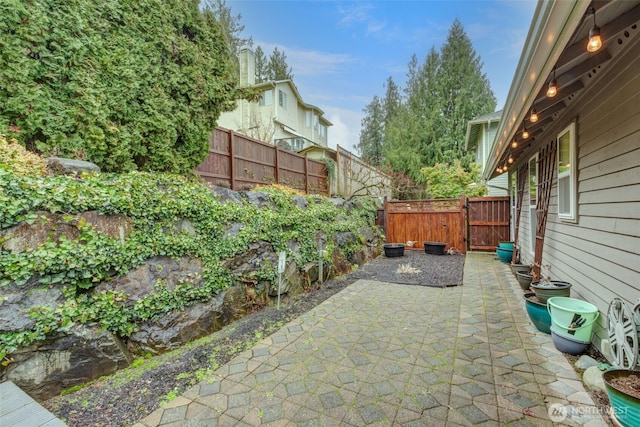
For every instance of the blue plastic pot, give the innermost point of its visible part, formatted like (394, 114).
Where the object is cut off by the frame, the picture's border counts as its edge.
(538, 313)
(625, 408)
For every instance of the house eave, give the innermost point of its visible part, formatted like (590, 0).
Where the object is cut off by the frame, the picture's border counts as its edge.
(553, 25)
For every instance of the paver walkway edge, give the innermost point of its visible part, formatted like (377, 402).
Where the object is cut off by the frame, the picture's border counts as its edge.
(387, 354)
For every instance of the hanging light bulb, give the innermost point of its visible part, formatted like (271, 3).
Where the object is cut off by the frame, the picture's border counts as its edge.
(595, 41)
(510, 160)
(553, 86)
(499, 169)
(534, 115)
(525, 132)
(514, 144)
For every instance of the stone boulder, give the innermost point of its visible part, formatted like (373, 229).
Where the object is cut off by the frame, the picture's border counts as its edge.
(258, 198)
(227, 195)
(47, 226)
(62, 166)
(16, 304)
(82, 354)
(177, 328)
(141, 281)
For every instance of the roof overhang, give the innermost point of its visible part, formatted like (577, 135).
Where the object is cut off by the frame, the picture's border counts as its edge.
(553, 25)
(474, 126)
(557, 39)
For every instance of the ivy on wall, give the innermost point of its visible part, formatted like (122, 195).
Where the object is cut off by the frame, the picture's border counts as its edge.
(155, 203)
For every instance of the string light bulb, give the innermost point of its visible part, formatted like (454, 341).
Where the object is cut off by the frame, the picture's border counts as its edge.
(525, 132)
(595, 40)
(533, 118)
(510, 160)
(514, 144)
(553, 86)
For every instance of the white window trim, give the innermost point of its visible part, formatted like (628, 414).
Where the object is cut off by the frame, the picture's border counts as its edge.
(572, 174)
(282, 99)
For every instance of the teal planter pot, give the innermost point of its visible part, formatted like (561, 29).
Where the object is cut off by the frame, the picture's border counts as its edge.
(506, 245)
(538, 313)
(504, 254)
(625, 408)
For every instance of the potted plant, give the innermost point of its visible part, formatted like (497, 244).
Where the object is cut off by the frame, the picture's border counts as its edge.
(393, 249)
(623, 390)
(434, 248)
(524, 279)
(545, 289)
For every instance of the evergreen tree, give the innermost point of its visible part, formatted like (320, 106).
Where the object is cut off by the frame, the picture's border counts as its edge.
(442, 95)
(392, 101)
(277, 66)
(465, 93)
(262, 72)
(372, 133)
(125, 84)
(231, 27)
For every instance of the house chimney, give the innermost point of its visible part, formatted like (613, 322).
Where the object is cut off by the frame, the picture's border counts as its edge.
(247, 67)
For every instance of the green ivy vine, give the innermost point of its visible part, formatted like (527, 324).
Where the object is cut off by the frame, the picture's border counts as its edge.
(154, 203)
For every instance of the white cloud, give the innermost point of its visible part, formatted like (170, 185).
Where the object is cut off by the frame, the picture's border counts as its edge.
(345, 131)
(310, 62)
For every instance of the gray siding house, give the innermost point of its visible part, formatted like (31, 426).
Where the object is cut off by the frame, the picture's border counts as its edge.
(577, 175)
(481, 132)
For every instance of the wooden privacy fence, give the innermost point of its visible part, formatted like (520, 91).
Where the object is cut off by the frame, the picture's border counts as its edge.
(356, 177)
(238, 162)
(419, 221)
(488, 222)
(477, 223)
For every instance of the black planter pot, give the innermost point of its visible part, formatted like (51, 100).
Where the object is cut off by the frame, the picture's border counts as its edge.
(434, 248)
(394, 250)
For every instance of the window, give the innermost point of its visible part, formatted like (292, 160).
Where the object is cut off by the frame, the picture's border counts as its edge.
(308, 119)
(567, 173)
(266, 98)
(282, 99)
(322, 130)
(533, 201)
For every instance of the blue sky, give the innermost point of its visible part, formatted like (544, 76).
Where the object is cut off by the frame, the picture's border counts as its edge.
(342, 52)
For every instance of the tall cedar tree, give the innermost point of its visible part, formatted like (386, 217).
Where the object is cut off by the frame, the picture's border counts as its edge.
(128, 85)
(277, 66)
(465, 92)
(371, 142)
(441, 96)
(262, 71)
(231, 28)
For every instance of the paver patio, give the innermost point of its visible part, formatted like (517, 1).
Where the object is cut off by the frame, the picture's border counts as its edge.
(386, 354)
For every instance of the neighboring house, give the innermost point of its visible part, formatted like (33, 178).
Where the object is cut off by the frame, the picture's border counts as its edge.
(280, 116)
(480, 134)
(578, 174)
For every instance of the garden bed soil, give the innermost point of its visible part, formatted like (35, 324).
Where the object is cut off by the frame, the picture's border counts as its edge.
(132, 394)
(629, 385)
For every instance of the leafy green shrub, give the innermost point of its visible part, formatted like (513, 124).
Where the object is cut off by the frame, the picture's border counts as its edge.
(452, 180)
(21, 161)
(127, 85)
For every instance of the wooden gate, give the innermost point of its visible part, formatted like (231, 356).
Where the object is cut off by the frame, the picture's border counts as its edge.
(488, 222)
(419, 221)
(477, 223)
